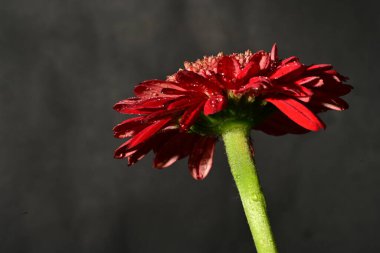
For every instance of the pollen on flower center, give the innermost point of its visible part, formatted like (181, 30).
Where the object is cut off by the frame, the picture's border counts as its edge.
(209, 64)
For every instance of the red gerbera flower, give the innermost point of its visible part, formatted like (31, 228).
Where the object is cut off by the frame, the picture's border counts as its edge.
(182, 115)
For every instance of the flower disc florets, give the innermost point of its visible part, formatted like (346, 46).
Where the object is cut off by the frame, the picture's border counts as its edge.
(182, 115)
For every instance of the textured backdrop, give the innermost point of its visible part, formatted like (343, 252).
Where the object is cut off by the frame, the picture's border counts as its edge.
(63, 64)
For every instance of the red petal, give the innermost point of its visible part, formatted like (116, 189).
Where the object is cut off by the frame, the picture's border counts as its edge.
(290, 60)
(200, 160)
(335, 89)
(308, 81)
(336, 104)
(262, 59)
(279, 124)
(122, 151)
(190, 116)
(290, 90)
(137, 153)
(298, 91)
(177, 93)
(319, 67)
(119, 106)
(148, 132)
(158, 115)
(186, 102)
(176, 148)
(229, 67)
(192, 81)
(274, 53)
(297, 112)
(153, 88)
(251, 69)
(141, 106)
(256, 83)
(129, 127)
(215, 104)
(293, 68)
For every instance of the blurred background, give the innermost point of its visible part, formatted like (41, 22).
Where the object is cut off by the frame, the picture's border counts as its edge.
(63, 64)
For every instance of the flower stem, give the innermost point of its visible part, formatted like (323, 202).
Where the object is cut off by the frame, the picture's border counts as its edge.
(235, 136)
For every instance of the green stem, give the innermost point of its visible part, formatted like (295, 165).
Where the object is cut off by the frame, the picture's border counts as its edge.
(235, 136)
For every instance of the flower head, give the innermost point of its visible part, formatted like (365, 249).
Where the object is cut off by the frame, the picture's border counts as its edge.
(184, 114)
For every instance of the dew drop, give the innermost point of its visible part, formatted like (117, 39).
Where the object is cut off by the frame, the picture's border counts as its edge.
(255, 197)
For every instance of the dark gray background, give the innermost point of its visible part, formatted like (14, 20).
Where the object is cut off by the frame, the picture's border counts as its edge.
(63, 64)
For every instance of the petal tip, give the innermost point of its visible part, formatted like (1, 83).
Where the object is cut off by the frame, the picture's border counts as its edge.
(274, 52)
(197, 176)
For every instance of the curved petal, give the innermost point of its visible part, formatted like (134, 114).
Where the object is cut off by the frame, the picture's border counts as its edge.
(148, 132)
(279, 124)
(260, 59)
(289, 60)
(308, 81)
(153, 88)
(274, 53)
(318, 67)
(123, 151)
(229, 67)
(138, 152)
(186, 102)
(129, 127)
(336, 104)
(288, 70)
(200, 160)
(215, 104)
(192, 81)
(251, 69)
(298, 113)
(141, 106)
(334, 88)
(265, 61)
(190, 116)
(256, 83)
(176, 148)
